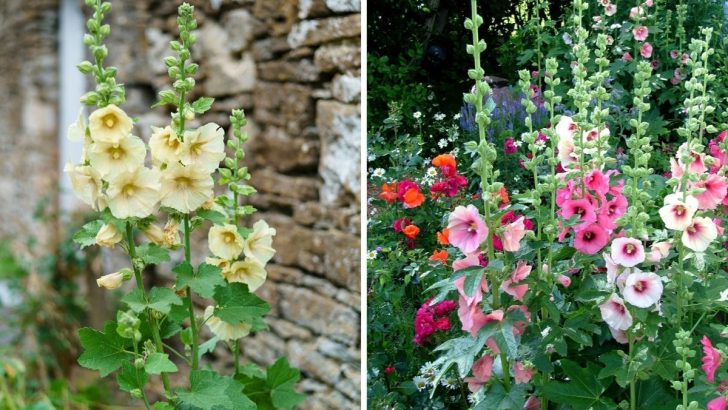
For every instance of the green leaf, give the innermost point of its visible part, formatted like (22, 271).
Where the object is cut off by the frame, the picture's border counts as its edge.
(213, 216)
(87, 235)
(159, 363)
(103, 351)
(281, 378)
(130, 378)
(152, 254)
(201, 105)
(615, 366)
(235, 304)
(207, 347)
(472, 279)
(160, 299)
(209, 390)
(204, 283)
(498, 398)
(162, 405)
(583, 391)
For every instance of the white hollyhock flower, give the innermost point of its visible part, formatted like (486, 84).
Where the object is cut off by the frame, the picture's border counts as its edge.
(108, 236)
(699, 234)
(615, 314)
(224, 330)
(185, 188)
(642, 289)
(259, 244)
(77, 130)
(250, 272)
(225, 241)
(677, 214)
(659, 251)
(134, 193)
(627, 252)
(112, 158)
(612, 268)
(114, 280)
(109, 124)
(565, 129)
(203, 148)
(164, 145)
(85, 182)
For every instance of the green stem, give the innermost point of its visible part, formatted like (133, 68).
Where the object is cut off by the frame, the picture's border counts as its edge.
(236, 355)
(193, 321)
(632, 382)
(136, 373)
(6, 392)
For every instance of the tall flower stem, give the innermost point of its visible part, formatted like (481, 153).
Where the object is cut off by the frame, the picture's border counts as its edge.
(154, 324)
(193, 320)
(632, 382)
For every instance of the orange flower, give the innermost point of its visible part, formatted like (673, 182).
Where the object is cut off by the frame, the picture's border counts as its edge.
(439, 256)
(389, 193)
(411, 231)
(503, 194)
(443, 237)
(444, 160)
(413, 198)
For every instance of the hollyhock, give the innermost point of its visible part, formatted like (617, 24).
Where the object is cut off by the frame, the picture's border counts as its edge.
(522, 374)
(564, 280)
(250, 272)
(697, 166)
(469, 260)
(114, 280)
(659, 251)
(509, 285)
(225, 241)
(627, 57)
(134, 194)
(185, 188)
(612, 268)
(640, 33)
(711, 359)
(203, 148)
(509, 146)
(164, 145)
(597, 182)
(109, 124)
(620, 336)
(519, 326)
(482, 372)
(400, 223)
(582, 207)
(442, 237)
(610, 9)
(224, 330)
(467, 230)
(715, 187)
(615, 314)
(676, 214)
(642, 289)
(627, 252)
(718, 403)
(646, 50)
(513, 234)
(699, 234)
(411, 231)
(590, 239)
(113, 158)
(389, 193)
(635, 12)
(108, 236)
(259, 243)
(567, 151)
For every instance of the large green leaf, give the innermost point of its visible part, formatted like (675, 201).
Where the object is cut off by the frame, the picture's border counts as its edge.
(152, 254)
(208, 276)
(281, 378)
(497, 398)
(160, 299)
(583, 391)
(235, 304)
(130, 378)
(209, 390)
(86, 236)
(159, 363)
(103, 351)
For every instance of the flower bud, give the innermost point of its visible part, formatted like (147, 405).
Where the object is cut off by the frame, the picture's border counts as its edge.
(139, 363)
(114, 280)
(155, 234)
(108, 236)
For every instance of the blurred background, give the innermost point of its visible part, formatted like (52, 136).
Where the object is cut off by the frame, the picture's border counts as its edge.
(294, 66)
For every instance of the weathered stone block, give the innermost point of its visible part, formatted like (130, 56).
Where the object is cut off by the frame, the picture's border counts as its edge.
(322, 315)
(310, 32)
(286, 105)
(338, 57)
(226, 76)
(347, 88)
(339, 126)
(302, 188)
(302, 71)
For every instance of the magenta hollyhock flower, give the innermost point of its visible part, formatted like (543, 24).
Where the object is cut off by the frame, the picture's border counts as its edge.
(711, 359)
(718, 403)
(467, 229)
(582, 207)
(597, 182)
(715, 187)
(615, 314)
(590, 239)
(642, 289)
(522, 374)
(699, 234)
(513, 234)
(627, 252)
(400, 223)
(674, 54)
(509, 146)
(482, 372)
(646, 50)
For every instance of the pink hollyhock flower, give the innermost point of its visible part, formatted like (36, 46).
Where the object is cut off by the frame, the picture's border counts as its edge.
(646, 50)
(635, 12)
(627, 57)
(520, 273)
(509, 146)
(566, 128)
(620, 336)
(676, 214)
(564, 280)
(699, 234)
(533, 403)
(582, 207)
(611, 211)
(648, 3)
(715, 187)
(590, 239)
(513, 234)
(627, 252)
(482, 372)
(659, 251)
(472, 259)
(642, 289)
(522, 374)
(697, 166)
(675, 80)
(610, 10)
(597, 182)
(640, 33)
(711, 359)
(718, 222)
(718, 403)
(674, 54)
(467, 229)
(519, 326)
(476, 297)
(615, 314)
(612, 268)
(684, 58)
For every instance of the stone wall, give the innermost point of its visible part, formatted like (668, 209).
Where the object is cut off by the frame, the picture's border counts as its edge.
(294, 66)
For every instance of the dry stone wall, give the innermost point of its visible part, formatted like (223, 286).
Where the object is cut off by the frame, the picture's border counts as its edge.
(295, 68)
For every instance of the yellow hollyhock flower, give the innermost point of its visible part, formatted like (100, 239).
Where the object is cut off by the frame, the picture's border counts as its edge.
(108, 236)
(223, 264)
(223, 330)
(185, 188)
(114, 280)
(204, 147)
(251, 272)
(77, 131)
(134, 194)
(258, 245)
(85, 182)
(109, 124)
(225, 241)
(111, 158)
(164, 145)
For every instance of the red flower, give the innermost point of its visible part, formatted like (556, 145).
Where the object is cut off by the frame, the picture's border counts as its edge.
(411, 231)
(440, 256)
(388, 370)
(399, 224)
(389, 193)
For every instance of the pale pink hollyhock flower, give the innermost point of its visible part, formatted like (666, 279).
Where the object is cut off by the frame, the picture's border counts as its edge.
(522, 374)
(640, 33)
(482, 372)
(649, 3)
(627, 57)
(610, 10)
(628, 252)
(597, 182)
(518, 291)
(711, 359)
(564, 280)
(591, 239)
(699, 234)
(718, 222)
(610, 40)
(684, 58)
(469, 310)
(642, 289)
(471, 259)
(612, 268)
(467, 229)
(514, 232)
(620, 336)
(659, 251)
(646, 50)
(605, 3)
(676, 214)
(715, 187)
(635, 12)
(622, 278)
(566, 128)
(674, 54)
(718, 403)
(615, 314)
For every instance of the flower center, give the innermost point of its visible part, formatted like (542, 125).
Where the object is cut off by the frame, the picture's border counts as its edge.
(588, 236)
(640, 286)
(229, 237)
(116, 152)
(109, 120)
(630, 249)
(196, 148)
(473, 227)
(183, 182)
(128, 190)
(679, 210)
